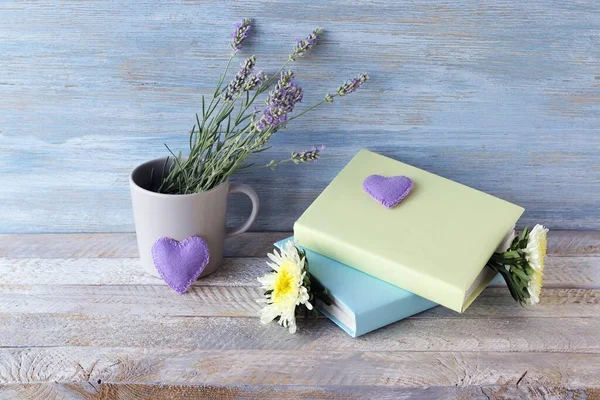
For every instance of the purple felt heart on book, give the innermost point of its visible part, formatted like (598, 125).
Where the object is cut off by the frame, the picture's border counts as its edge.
(180, 263)
(388, 191)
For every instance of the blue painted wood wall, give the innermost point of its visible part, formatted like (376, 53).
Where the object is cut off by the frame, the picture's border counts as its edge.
(503, 96)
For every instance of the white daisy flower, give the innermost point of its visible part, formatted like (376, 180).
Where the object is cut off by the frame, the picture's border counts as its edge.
(535, 252)
(284, 288)
(521, 264)
(534, 288)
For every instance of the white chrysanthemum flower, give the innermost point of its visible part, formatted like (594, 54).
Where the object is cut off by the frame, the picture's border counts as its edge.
(285, 287)
(522, 264)
(534, 287)
(535, 253)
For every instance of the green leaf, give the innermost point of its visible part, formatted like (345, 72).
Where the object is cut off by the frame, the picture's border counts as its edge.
(511, 254)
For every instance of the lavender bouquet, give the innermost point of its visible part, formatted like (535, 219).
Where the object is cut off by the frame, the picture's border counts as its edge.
(231, 128)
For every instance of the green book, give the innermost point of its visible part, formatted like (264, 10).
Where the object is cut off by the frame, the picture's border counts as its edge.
(434, 243)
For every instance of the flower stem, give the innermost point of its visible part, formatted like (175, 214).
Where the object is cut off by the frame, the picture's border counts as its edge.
(309, 109)
(222, 78)
(270, 79)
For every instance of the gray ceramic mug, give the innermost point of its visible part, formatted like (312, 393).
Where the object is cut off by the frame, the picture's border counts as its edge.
(201, 214)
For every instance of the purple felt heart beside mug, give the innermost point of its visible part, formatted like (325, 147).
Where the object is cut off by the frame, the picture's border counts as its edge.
(181, 216)
(180, 263)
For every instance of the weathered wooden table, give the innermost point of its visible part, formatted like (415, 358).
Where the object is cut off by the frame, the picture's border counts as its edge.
(79, 319)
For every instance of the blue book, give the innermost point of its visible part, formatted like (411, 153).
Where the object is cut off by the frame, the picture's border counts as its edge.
(360, 302)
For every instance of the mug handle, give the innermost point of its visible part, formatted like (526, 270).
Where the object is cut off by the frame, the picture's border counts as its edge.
(248, 191)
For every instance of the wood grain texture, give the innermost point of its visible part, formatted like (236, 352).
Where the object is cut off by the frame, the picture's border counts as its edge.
(95, 391)
(79, 320)
(417, 334)
(561, 243)
(236, 301)
(124, 245)
(501, 96)
(295, 367)
(561, 272)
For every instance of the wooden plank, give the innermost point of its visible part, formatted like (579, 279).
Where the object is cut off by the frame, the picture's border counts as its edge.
(296, 367)
(251, 244)
(498, 96)
(573, 243)
(240, 301)
(94, 391)
(127, 271)
(506, 334)
(560, 272)
(123, 245)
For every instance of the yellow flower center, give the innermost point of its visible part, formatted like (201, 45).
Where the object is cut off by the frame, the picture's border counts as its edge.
(543, 246)
(283, 285)
(537, 278)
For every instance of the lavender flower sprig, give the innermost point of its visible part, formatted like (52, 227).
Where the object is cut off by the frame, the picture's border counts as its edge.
(280, 103)
(348, 87)
(303, 45)
(284, 79)
(302, 157)
(241, 32)
(307, 155)
(242, 29)
(228, 131)
(239, 81)
(254, 81)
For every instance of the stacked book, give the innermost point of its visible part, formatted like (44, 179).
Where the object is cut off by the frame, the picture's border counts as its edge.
(383, 262)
